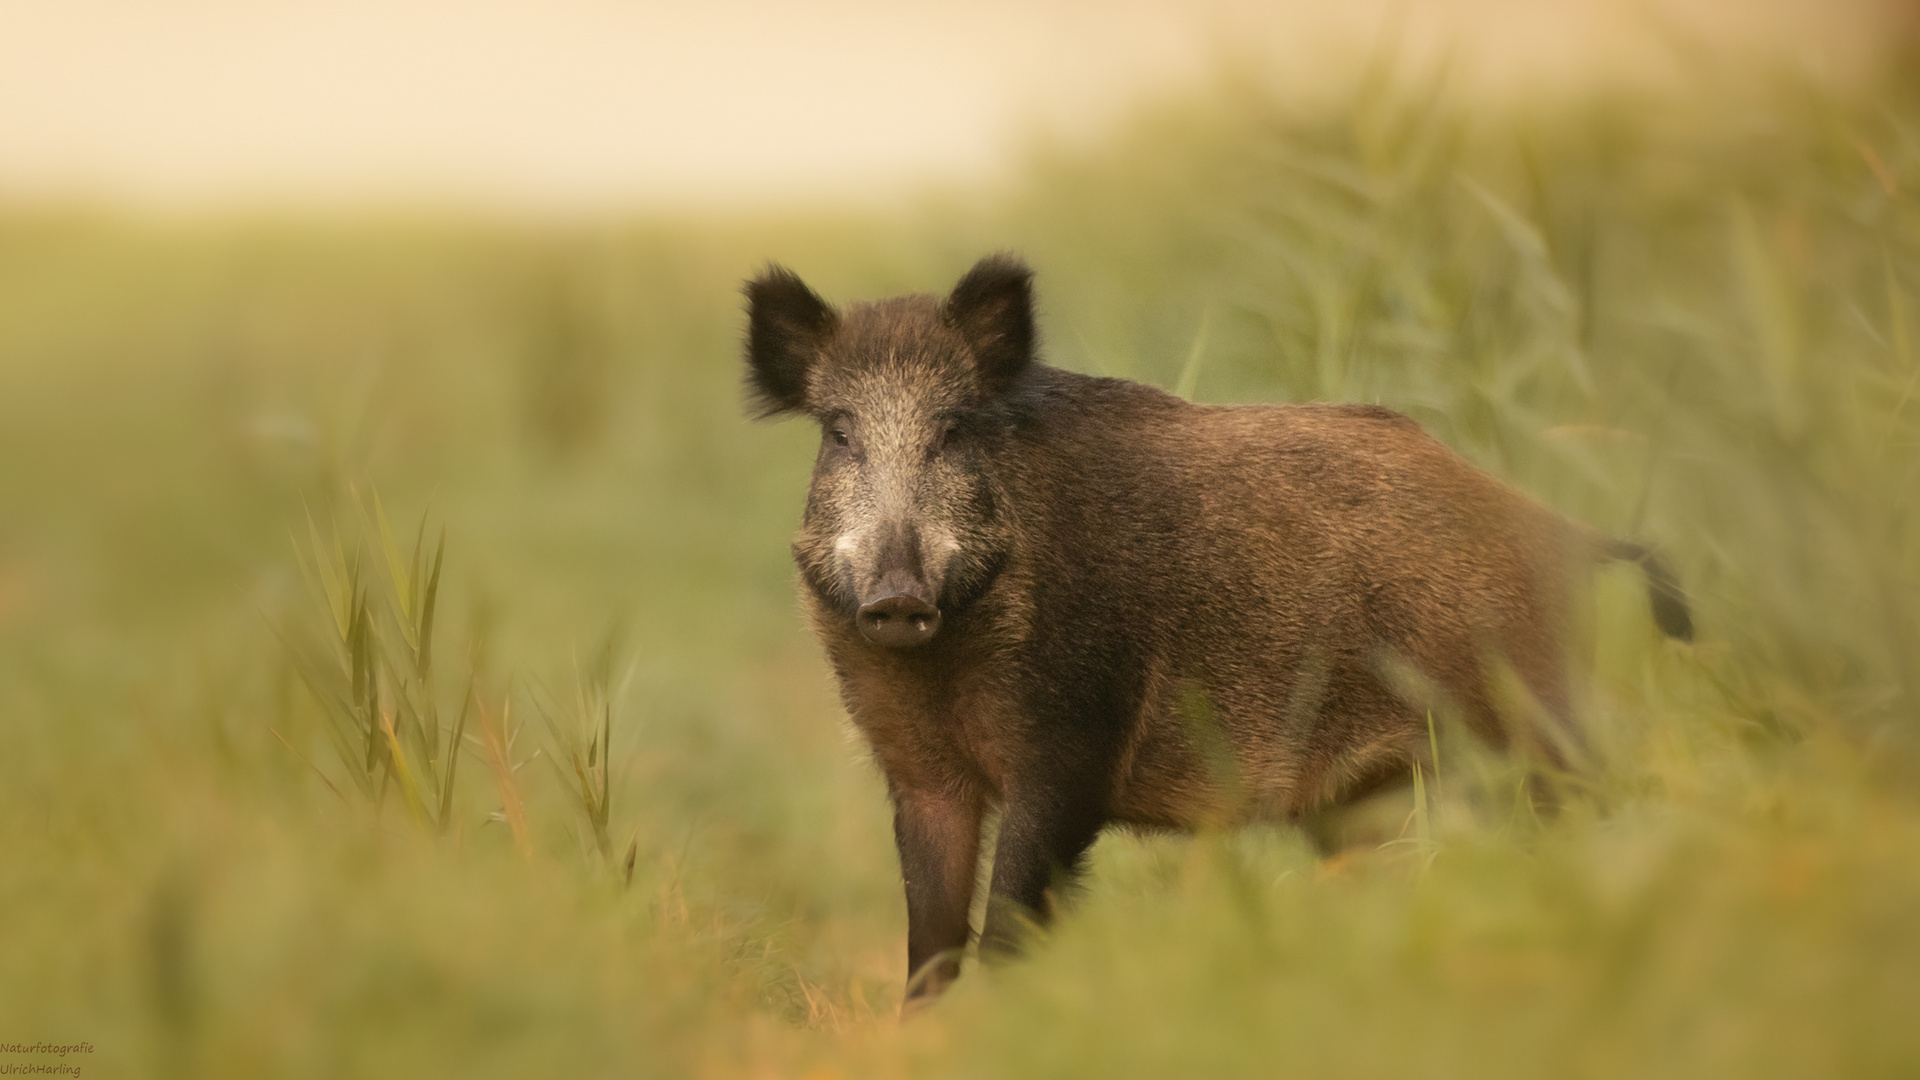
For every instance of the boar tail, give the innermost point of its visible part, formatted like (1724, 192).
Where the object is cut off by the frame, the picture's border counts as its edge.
(1669, 602)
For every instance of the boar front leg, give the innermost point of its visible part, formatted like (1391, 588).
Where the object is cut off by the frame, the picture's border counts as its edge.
(1044, 830)
(938, 832)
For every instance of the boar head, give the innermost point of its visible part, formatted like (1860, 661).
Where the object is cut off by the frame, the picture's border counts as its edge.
(906, 523)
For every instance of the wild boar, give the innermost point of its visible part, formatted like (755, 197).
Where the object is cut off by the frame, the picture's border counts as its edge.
(1029, 582)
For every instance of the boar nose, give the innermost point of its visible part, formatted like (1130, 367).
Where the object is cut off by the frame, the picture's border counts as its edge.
(899, 621)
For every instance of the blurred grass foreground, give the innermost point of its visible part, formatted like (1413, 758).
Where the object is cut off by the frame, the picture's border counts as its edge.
(400, 673)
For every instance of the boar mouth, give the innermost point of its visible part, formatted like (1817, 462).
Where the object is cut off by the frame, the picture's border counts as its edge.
(898, 621)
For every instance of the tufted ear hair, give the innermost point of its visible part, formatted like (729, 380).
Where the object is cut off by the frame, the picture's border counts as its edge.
(787, 326)
(992, 307)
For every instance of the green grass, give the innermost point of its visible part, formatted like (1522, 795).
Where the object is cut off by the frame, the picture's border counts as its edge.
(235, 839)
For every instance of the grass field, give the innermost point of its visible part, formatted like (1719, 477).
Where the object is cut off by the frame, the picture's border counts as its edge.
(600, 813)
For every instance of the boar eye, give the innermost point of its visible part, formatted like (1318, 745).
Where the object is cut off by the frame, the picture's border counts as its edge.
(951, 435)
(839, 437)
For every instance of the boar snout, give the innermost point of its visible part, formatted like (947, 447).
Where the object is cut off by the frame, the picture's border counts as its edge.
(898, 619)
(898, 610)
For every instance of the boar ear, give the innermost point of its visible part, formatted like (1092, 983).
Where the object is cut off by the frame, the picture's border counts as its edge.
(786, 327)
(992, 307)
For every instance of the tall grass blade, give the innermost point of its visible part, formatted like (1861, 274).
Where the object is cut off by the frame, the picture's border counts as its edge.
(403, 772)
(496, 736)
(309, 763)
(428, 604)
(455, 745)
(1190, 371)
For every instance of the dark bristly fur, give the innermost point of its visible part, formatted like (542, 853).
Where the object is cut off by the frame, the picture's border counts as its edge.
(788, 325)
(1089, 602)
(1669, 603)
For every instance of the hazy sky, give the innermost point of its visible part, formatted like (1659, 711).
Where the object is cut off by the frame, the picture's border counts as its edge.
(592, 104)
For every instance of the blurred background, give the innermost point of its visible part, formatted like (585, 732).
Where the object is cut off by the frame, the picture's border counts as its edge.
(400, 669)
(592, 108)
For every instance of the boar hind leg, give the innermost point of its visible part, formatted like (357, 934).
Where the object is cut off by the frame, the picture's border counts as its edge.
(939, 837)
(1042, 837)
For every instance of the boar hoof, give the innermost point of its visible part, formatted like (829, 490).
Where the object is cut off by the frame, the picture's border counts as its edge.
(899, 622)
